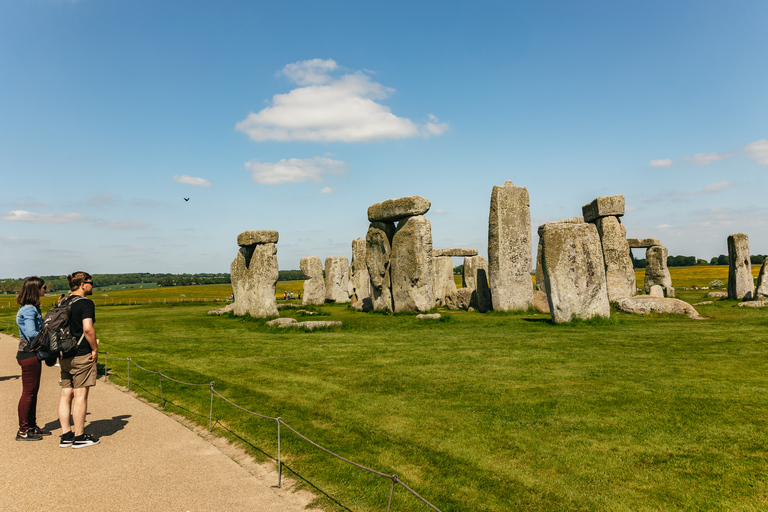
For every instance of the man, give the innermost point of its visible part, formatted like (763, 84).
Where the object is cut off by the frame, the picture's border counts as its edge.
(78, 366)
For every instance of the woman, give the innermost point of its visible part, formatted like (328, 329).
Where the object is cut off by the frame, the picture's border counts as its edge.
(30, 321)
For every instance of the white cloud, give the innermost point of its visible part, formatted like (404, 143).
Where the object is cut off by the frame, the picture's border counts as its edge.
(29, 204)
(758, 151)
(663, 226)
(329, 109)
(703, 159)
(439, 211)
(294, 170)
(709, 189)
(42, 218)
(126, 224)
(714, 187)
(14, 240)
(326, 190)
(664, 162)
(191, 180)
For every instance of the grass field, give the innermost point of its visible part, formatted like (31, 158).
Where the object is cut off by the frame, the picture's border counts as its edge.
(490, 412)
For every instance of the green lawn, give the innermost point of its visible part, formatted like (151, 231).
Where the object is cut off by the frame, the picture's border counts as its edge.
(489, 412)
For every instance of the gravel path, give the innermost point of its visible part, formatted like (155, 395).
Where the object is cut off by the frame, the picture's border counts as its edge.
(146, 460)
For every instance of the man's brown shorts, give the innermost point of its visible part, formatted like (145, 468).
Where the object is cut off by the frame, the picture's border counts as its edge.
(78, 372)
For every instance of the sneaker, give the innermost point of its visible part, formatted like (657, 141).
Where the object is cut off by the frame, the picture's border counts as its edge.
(84, 440)
(66, 439)
(29, 435)
(40, 431)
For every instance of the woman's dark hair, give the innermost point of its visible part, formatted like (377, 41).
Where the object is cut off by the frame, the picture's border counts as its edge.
(30, 291)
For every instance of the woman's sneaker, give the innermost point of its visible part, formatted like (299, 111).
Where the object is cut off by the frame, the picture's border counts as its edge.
(40, 431)
(29, 435)
(66, 439)
(84, 440)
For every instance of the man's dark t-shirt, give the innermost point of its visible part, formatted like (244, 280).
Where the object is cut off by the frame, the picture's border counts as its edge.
(81, 308)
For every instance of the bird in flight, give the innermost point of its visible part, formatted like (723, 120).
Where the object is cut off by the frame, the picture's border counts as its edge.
(186, 199)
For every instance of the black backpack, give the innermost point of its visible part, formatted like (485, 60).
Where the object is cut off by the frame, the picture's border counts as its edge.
(55, 337)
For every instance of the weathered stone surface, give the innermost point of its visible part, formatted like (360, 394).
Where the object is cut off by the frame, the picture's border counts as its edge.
(314, 286)
(540, 301)
(574, 271)
(645, 304)
(459, 299)
(539, 280)
(254, 273)
(458, 252)
(619, 270)
(311, 325)
(762, 281)
(643, 243)
(337, 279)
(378, 244)
(476, 278)
(740, 283)
(717, 295)
(656, 291)
(443, 277)
(221, 311)
(282, 322)
(605, 206)
(428, 316)
(393, 210)
(754, 304)
(411, 266)
(510, 259)
(359, 279)
(656, 270)
(265, 236)
(703, 303)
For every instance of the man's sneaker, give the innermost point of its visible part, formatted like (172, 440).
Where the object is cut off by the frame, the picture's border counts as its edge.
(66, 439)
(29, 435)
(40, 431)
(84, 440)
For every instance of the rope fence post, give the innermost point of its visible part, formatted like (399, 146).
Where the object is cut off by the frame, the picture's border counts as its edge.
(106, 372)
(391, 492)
(210, 416)
(162, 402)
(129, 372)
(279, 460)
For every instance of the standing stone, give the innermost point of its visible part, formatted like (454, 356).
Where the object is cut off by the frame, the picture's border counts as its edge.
(740, 283)
(476, 279)
(337, 279)
(510, 259)
(656, 270)
(411, 265)
(378, 250)
(574, 271)
(359, 279)
(619, 270)
(314, 286)
(539, 281)
(254, 273)
(762, 281)
(443, 278)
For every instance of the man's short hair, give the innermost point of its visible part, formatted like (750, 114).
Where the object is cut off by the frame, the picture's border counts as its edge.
(75, 279)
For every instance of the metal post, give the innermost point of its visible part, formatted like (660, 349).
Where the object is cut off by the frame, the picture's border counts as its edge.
(128, 362)
(279, 460)
(106, 373)
(162, 402)
(210, 416)
(392, 492)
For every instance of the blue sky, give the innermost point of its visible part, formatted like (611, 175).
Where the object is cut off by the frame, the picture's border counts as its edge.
(297, 116)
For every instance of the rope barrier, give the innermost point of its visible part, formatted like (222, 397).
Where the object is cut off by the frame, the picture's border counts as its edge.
(393, 478)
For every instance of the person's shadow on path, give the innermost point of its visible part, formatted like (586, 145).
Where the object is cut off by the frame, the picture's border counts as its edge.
(99, 428)
(9, 377)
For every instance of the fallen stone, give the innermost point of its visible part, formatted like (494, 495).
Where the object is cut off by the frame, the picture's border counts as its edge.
(311, 325)
(574, 271)
(224, 310)
(619, 269)
(282, 322)
(656, 270)
(605, 206)
(510, 258)
(305, 312)
(411, 266)
(264, 236)
(740, 283)
(754, 304)
(254, 274)
(427, 316)
(459, 299)
(762, 281)
(703, 303)
(378, 251)
(394, 210)
(540, 301)
(314, 285)
(717, 295)
(643, 243)
(454, 252)
(337, 279)
(645, 304)
(656, 291)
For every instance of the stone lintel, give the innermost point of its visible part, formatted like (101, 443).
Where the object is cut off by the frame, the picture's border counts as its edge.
(643, 243)
(393, 210)
(605, 206)
(458, 252)
(265, 236)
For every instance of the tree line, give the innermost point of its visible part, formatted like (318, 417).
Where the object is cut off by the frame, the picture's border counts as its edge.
(690, 261)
